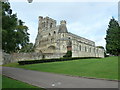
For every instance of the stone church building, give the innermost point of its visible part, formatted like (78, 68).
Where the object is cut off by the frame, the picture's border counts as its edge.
(54, 41)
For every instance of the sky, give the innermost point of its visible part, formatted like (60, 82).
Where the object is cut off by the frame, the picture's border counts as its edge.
(86, 19)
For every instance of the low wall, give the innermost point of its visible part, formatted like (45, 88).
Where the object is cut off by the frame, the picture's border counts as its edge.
(15, 57)
(1, 59)
(8, 58)
(26, 56)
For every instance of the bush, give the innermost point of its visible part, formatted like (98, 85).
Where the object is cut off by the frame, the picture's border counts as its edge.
(51, 60)
(68, 54)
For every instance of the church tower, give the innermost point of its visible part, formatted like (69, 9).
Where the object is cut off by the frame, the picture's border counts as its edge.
(46, 23)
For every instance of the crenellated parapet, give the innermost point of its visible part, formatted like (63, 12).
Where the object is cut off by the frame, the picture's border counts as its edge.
(46, 23)
(63, 22)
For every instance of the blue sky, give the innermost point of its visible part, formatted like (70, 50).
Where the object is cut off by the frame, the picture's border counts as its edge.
(86, 19)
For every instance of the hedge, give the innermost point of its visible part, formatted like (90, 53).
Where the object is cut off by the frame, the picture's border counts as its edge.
(51, 60)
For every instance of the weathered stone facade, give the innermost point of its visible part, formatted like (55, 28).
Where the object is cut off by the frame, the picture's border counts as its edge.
(55, 39)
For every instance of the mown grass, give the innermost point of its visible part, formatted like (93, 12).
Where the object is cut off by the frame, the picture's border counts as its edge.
(11, 83)
(106, 68)
(0, 81)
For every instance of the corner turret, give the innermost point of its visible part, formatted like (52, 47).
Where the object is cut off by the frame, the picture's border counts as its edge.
(63, 28)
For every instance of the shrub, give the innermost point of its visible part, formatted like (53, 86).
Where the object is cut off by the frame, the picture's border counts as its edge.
(68, 54)
(51, 60)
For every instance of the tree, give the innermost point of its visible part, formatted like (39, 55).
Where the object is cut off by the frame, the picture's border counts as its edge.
(100, 47)
(14, 32)
(27, 48)
(112, 38)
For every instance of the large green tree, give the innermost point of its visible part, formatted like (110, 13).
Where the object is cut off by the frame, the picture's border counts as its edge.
(14, 32)
(113, 38)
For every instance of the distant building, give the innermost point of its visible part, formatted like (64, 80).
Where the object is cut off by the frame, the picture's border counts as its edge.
(55, 40)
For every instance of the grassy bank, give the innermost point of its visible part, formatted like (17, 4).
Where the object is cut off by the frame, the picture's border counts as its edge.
(11, 83)
(100, 68)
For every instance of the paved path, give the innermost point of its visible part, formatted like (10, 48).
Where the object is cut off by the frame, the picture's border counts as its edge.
(49, 80)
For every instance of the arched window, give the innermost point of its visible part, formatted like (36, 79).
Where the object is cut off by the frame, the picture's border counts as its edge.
(54, 32)
(94, 50)
(80, 47)
(50, 25)
(97, 50)
(90, 49)
(44, 24)
(85, 49)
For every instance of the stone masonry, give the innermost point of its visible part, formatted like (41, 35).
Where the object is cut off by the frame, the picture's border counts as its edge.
(56, 40)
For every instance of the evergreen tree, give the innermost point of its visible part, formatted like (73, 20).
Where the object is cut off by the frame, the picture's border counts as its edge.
(14, 32)
(113, 38)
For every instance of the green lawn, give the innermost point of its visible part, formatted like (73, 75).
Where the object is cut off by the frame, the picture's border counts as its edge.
(11, 83)
(100, 68)
(0, 81)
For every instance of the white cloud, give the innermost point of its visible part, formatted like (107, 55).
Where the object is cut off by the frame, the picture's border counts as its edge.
(92, 33)
(93, 30)
(88, 20)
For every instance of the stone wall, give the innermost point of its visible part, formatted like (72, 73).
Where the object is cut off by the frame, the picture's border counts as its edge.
(26, 56)
(15, 57)
(6, 58)
(1, 57)
(54, 55)
(82, 47)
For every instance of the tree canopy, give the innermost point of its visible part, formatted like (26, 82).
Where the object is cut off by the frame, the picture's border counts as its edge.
(27, 48)
(112, 38)
(100, 47)
(14, 33)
